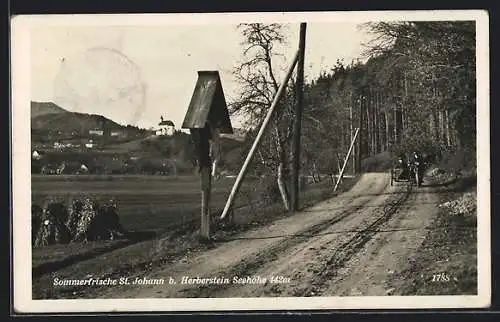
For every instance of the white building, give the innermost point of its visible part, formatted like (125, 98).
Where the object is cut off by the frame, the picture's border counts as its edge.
(89, 144)
(96, 132)
(36, 155)
(165, 128)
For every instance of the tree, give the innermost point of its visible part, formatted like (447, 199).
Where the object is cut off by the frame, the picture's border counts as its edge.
(258, 78)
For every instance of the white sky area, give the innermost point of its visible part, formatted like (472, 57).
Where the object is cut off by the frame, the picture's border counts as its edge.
(135, 74)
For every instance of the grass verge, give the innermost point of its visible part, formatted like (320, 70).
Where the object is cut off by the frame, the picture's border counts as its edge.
(446, 263)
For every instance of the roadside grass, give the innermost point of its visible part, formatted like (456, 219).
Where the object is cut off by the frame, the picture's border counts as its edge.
(172, 239)
(446, 263)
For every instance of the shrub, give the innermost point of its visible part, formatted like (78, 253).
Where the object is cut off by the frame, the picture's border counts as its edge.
(380, 162)
(268, 190)
(459, 160)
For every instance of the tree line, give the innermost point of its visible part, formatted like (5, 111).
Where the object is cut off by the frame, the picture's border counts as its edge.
(416, 91)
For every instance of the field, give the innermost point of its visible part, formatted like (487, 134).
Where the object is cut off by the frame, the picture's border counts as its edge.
(153, 203)
(162, 214)
(145, 202)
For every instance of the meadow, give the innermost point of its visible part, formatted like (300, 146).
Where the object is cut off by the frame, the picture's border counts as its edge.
(144, 202)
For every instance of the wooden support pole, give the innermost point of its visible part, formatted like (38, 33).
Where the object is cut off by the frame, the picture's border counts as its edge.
(298, 120)
(346, 159)
(249, 157)
(339, 166)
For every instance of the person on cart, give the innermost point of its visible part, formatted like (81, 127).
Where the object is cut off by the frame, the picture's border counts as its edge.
(415, 156)
(402, 166)
(418, 162)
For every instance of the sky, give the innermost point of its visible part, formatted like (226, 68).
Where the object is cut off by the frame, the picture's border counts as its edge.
(133, 74)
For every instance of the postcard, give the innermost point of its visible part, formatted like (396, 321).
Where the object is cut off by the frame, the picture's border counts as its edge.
(250, 161)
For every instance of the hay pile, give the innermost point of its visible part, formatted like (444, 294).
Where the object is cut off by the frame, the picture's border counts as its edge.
(85, 220)
(93, 221)
(36, 221)
(74, 216)
(52, 229)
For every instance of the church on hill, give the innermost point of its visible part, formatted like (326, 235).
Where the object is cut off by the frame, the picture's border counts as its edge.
(165, 127)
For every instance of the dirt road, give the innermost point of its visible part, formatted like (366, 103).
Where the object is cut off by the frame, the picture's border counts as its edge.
(346, 246)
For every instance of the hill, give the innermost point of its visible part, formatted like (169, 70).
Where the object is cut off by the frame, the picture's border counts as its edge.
(43, 108)
(49, 119)
(133, 150)
(72, 122)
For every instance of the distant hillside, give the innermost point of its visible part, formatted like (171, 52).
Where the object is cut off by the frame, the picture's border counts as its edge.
(42, 108)
(71, 121)
(49, 117)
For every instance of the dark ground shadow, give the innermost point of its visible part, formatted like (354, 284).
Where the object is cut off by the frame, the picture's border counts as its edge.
(131, 238)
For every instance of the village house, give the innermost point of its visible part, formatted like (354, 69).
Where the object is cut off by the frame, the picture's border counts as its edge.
(165, 127)
(96, 132)
(89, 144)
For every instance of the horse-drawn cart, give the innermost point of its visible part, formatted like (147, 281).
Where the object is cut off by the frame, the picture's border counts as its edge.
(399, 173)
(410, 172)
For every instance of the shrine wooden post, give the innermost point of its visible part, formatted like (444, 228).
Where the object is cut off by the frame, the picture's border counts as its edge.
(206, 117)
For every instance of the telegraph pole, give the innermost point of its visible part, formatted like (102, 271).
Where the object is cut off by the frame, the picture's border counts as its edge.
(298, 120)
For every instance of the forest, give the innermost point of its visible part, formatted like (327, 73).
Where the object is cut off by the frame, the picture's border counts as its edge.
(416, 91)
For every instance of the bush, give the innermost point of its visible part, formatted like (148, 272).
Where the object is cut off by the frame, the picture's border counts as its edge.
(378, 163)
(460, 160)
(268, 190)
